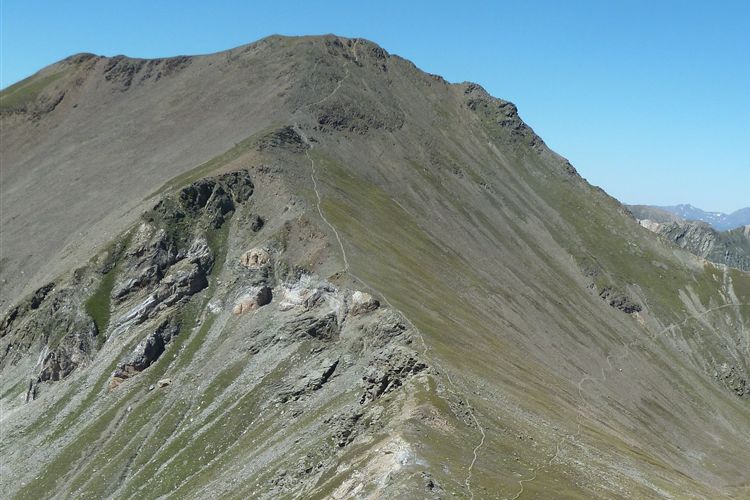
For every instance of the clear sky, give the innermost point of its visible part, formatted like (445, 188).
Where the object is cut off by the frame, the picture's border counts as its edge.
(648, 99)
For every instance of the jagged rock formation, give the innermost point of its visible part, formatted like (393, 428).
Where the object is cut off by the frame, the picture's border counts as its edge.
(257, 297)
(147, 351)
(363, 303)
(304, 268)
(730, 248)
(734, 379)
(53, 325)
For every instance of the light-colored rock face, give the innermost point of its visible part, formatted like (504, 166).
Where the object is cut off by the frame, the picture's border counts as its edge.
(362, 303)
(306, 292)
(255, 258)
(650, 225)
(164, 382)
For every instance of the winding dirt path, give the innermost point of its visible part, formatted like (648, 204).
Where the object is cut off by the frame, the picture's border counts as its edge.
(453, 388)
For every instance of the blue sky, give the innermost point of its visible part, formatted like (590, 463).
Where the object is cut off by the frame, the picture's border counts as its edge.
(649, 100)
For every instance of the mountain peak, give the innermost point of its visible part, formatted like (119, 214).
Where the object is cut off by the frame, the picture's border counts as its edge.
(300, 266)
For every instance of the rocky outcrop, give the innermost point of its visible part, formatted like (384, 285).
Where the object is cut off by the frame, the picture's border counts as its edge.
(603, 286)
(733, 378)
(125, 71)
(74, 350)
(362, 303)
(177, 272)
(304, 292)
(183, 279)
(169, 259)
(309, 382)
(363, 342)
(730, 248)
(256, 223)
(359, 117)
(346, 426)
(211, 199)
(325, 328)
(189, 276)
(152, 253)
(53, 321)
(255, 258)
(40, 295)
(253, 299)
(388, 327)
(165, 261)
(31, 303)
(148, 350)
(389, 370)
(285, 137)
(619, 300)
(500, 114)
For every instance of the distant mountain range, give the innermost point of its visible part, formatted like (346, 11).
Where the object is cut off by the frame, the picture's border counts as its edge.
(718, 220)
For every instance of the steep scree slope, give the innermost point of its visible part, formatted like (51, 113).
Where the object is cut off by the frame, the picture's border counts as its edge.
(522, 334)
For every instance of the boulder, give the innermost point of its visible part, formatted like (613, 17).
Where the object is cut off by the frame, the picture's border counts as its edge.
(255, 258)
(258, 297)
(256, 223)
(115, 382)
(164, 382)
(362, 303)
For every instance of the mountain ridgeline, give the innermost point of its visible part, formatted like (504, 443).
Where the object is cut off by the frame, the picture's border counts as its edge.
(718, 220)
(305, 268)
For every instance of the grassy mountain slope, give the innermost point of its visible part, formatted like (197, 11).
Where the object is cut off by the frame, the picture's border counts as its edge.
(569, 350)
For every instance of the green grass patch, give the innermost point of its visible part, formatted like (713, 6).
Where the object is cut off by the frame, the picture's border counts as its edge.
(19, 95)
(189, 453)
(98, 306)
(64, 425)
(88, 438)
(16, 389)
(222, 381)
